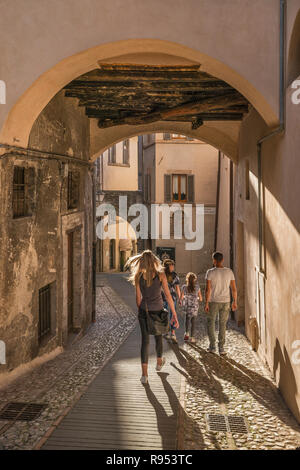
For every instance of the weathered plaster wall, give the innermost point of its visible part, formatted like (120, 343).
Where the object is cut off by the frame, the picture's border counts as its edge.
(281, 244)
(31, 253)
(223, 241)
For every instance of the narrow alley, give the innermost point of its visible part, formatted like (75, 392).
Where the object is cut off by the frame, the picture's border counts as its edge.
(93, 398)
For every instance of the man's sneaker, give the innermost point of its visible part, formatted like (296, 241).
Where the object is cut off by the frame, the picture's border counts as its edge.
(211, 350)
(167, 336)
(159, 367)
(186, 337)
(144, 379)
(222, 352)
(192, 340)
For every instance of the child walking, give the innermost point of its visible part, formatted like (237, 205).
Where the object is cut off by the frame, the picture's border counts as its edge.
(190, 297)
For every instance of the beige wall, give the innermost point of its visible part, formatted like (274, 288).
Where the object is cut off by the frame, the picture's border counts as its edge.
(223, 235)
(281, 245)
(190, 157)
(181, 156)
(119, 176)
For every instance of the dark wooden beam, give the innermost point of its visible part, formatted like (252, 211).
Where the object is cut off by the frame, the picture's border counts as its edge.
(181, 110)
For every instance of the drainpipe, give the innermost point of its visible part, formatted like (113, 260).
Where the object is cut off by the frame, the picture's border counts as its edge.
(277, 131)
(231, 214)
(217, 201)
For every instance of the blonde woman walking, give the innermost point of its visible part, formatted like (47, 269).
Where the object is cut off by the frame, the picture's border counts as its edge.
(148, 277)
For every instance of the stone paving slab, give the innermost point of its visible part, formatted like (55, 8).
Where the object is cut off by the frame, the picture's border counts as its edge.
(117, 412)
(61, 381)
(239, 384)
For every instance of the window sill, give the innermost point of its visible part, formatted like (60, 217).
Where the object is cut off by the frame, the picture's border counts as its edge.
(127, 165)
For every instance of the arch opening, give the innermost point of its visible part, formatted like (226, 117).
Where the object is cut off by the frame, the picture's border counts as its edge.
(21, 117)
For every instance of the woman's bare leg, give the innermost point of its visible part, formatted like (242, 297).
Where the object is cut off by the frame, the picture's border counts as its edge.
(145, 370)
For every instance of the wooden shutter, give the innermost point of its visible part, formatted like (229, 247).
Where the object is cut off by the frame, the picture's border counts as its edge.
(126, 152)
(191, 188)
(168, 188)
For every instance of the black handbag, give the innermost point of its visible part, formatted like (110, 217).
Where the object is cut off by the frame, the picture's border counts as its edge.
(157, 322)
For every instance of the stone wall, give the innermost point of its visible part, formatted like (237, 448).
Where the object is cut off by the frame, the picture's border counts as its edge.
(32, 254)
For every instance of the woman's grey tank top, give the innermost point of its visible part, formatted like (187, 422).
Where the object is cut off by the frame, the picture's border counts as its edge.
(151, 294)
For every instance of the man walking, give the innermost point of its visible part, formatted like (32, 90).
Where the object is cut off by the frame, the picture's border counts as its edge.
(219, 281)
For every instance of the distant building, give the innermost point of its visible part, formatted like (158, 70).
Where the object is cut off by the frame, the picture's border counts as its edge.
(116, 172)
(181, 170)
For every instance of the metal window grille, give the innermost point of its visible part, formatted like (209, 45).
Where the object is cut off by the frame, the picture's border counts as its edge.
(19, 192)
(44, 311)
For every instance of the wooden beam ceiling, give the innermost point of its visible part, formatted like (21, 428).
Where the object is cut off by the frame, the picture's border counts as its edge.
(118, 94)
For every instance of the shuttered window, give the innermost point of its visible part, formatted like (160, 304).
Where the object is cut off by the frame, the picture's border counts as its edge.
(167, 188)
(179, 188)
(191, 188)
(112, 154)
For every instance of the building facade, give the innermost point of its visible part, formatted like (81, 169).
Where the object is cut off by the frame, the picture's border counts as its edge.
(116, 175)
(46, 291)
(180, 171)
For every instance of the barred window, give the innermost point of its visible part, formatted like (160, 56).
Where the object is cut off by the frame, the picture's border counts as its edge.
(23, 191)
(19, 192)
(44, 311)
(73, 189)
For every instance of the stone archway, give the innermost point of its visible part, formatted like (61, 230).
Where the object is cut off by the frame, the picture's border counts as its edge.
(23, 114)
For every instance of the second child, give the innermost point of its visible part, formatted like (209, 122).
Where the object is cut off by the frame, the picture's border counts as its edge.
(190, 297)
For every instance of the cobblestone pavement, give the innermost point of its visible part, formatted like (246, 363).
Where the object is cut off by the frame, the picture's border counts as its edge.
(236, 385)
(59, 381)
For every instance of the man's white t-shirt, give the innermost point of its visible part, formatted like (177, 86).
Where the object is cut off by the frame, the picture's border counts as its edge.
(220, 283)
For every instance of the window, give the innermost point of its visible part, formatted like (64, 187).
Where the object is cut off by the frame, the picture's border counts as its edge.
(247, 181)
(112, 154)
(126, 152)
(73, 189)
(19, 192)
(166, 136)
(44, 311)
(179, 190)
(23, 191)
